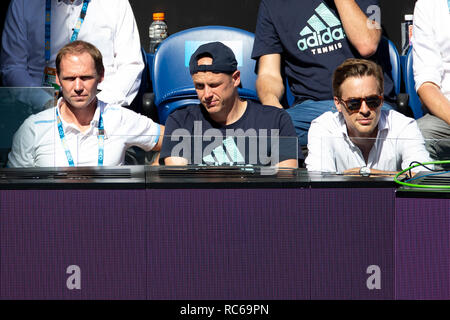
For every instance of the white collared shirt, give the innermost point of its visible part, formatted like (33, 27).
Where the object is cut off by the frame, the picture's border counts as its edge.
(109, 25)
(37, 142)
(431, 44)
(398, 143)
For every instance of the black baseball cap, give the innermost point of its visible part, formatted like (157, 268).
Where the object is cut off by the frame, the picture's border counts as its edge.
(223, 58)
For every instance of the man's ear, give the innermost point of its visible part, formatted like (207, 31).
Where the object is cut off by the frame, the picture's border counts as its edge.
(101, 78)
(236, 78)
(57, 80)
(337, 103)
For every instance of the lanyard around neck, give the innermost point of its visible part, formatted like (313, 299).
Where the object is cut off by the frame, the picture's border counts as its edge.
(101, 140)
(80, 21)
(76, 30)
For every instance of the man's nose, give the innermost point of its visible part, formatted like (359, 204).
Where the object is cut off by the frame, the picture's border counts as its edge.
(78, 85)
(208, 92)
(364, 109)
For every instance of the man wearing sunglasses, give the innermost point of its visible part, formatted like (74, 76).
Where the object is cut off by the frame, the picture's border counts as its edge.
(299, 43)
(361, 138)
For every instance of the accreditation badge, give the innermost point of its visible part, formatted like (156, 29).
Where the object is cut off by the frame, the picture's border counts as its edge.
(50, 80)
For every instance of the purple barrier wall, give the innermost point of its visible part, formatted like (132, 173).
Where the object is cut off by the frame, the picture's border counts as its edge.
(351, 230)
(422, 249)
(223, 244)
(229, 244)
(101, 231)
(155, 244)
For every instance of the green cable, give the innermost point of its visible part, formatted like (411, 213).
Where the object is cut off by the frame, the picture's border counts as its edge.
(419, 185)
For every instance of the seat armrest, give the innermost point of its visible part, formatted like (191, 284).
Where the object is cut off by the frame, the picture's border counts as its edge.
(402, 103)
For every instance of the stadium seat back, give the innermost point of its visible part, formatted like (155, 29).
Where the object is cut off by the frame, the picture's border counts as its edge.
(172, 82)
(408, 78)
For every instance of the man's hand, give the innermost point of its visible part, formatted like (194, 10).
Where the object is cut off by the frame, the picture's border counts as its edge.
(373, 172)
(175, 161)
(289, 163)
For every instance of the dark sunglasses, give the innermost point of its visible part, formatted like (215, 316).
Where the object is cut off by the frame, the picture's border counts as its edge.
(354, 104)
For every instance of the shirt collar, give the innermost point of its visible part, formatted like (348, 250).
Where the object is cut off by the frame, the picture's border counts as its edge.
(94, 121)
(382, 123)
(68, 2)
(342, 124)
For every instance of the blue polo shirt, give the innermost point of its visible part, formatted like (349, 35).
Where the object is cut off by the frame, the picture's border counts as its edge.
(192, 134)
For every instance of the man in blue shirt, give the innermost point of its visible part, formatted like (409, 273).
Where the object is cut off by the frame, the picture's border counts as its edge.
(225, 129)
(34, 31)
(305, 41)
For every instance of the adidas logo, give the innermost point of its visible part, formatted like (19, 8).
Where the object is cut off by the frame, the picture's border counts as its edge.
(213, 147)
(228, 153)
(322, 30)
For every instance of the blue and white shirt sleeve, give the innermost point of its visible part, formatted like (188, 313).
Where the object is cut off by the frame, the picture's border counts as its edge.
(23, 146)
(141, 131)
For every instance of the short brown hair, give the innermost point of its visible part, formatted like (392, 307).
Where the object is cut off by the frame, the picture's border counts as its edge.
(356, 68)
(79, 47)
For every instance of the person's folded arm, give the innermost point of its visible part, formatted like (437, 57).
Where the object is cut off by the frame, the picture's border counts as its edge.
(269, 83)
(363, 34)
(431, 95)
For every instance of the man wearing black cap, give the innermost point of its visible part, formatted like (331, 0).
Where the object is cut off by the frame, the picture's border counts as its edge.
(225, 129)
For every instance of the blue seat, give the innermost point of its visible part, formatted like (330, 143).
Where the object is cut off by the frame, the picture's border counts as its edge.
(172, 83)
(137, 104)
(288, 96)
(395, 67)
(408, 78)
